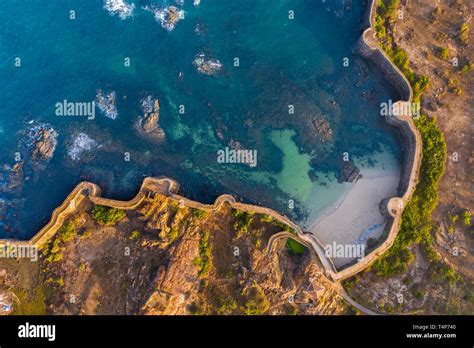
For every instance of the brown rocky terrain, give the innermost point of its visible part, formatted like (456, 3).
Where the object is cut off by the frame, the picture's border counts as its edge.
(166, 258)
(43, 142)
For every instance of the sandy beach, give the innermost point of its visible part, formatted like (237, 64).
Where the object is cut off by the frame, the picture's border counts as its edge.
(356, 212)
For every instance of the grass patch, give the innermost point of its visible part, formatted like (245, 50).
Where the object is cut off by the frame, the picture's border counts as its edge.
(257, 303)
(134, 235)
(106, 215)
(242, 223)
(442, 53)
(464, 33)
(203, 261)
(199, 214)
(53, 249)
(466, 217)
(173, 234)
(228, 306)
(294, 247)
(30, 305)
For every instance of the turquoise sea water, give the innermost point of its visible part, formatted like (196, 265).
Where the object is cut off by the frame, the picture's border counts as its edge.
(282, 62)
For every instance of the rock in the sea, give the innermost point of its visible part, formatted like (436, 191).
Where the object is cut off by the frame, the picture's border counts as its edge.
(349, 173)
(168, 17)
(207, 65)
(43, 142)
(322, 128)
(149, 123)
(312, 175)
(107, 103)
(15, 177)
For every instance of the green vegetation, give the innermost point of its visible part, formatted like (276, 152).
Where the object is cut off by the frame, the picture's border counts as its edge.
(53, 250)
(442, 53)
(467, 67)
(453, 218)
(267, 219)
(134, 235)
(199, 214)
(442, 273)
(242, 223)
(384, 16)
(203, 261)
(348, 284)
(416, 225)
(453, 85)
(466, 217)
(30, 304)
(388, 9)
(450, 275)
(173, 234)
(86, 234)
(283, 227)
(107, 216)
(257, 303)
(294, 247)
(228, 306)
(464, 33)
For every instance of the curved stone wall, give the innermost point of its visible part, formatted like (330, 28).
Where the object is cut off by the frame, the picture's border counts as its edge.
(367, 47)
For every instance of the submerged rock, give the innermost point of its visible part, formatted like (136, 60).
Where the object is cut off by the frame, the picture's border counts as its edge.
(207, 65)
(199, 29)
(81, 143)
(312, 175)
(349, 173)
(322, 128)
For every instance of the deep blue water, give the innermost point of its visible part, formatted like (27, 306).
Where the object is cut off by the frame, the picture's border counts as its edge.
(282, 62)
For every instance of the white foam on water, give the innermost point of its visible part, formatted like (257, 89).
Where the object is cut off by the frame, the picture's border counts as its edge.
(119, 7)
(80, 144)
(168, 17)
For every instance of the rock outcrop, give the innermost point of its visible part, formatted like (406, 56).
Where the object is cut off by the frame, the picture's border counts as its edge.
(349, 173)
(43, 142)
(148, 124)
(322, 129)
(107, 103)
(207, 65)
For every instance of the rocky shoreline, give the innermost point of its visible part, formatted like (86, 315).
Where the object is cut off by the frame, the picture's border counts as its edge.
(368, 48)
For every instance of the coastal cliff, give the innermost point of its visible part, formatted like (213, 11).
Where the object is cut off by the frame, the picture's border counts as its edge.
(159, 255)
